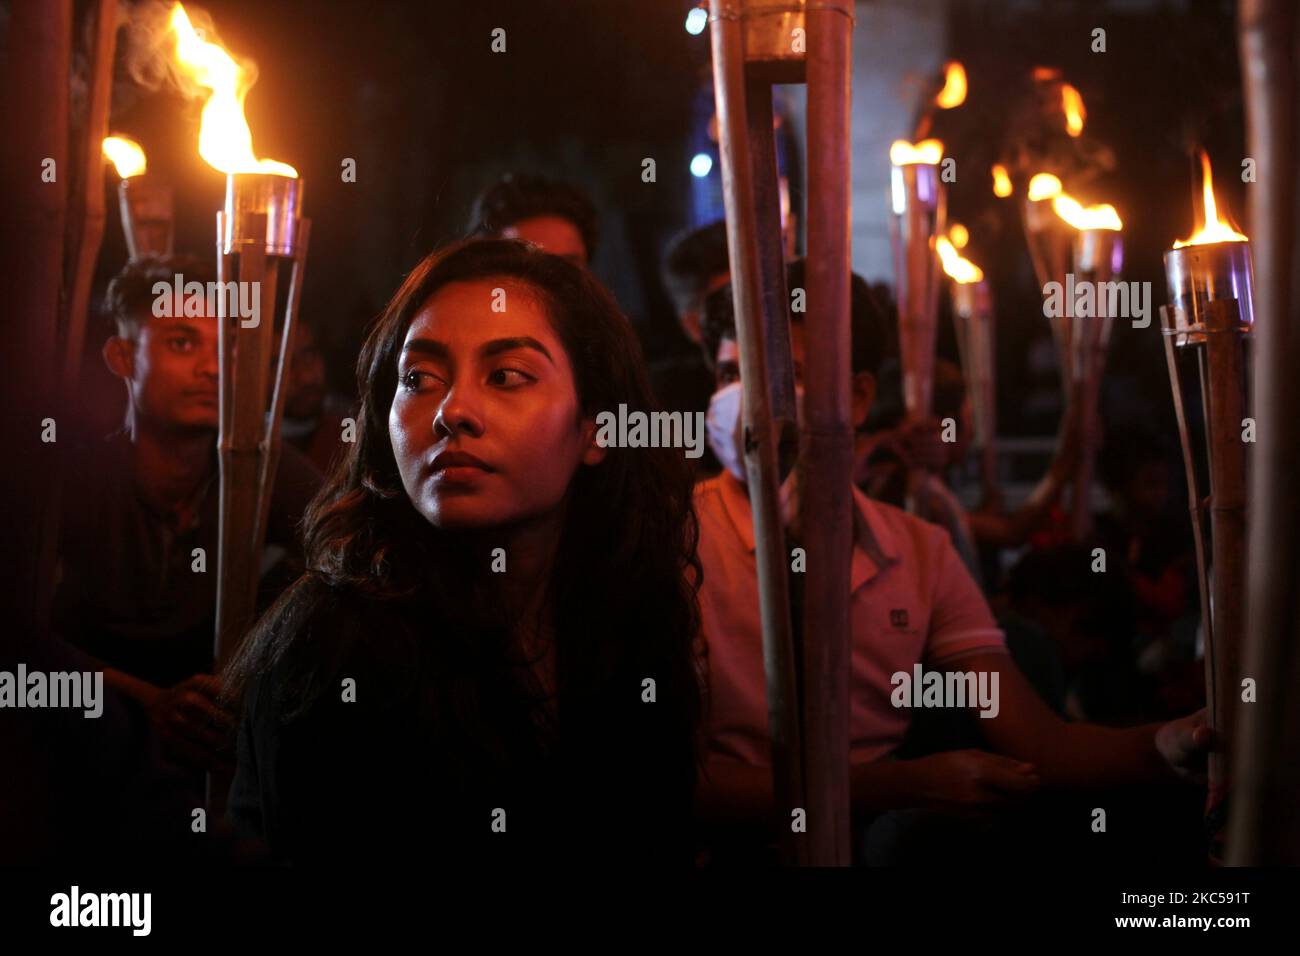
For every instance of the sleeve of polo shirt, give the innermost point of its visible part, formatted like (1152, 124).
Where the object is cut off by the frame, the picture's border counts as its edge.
(961, 622)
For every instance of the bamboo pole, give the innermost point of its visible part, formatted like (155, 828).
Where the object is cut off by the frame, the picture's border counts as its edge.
(1049, 242)
(37, 58)
(243, 413)
(266, 480)
(1095, 251)
(760, 429)
(85, 215)
(1195, 504)
(826, 501)
(771, 258)
(1265, 821)
(87, 212)
(972, 307)
(1224, 413)
(919, 205)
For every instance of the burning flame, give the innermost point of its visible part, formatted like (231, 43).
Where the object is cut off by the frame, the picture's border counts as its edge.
(962, 271)
(1083, 217)
(1001, 181)
(1075, 114)
(1215, 229)
(903, 153)
(954, 86)
(959, 235)
(225, 141)
(1043, 186)
(125, 154)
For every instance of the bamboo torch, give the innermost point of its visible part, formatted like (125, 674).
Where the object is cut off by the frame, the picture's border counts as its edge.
(918, 203)
(1050, 244)
(259, 230)
(1211, 312)
(972, 308)
(1098, 257)
(144, 199)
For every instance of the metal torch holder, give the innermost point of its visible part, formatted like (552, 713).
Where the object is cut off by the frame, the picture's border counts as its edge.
(147, 215)
(973, 322)
(259, 231)
(1212, 315)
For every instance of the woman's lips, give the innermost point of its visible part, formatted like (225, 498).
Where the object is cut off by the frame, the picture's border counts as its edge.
(458, 467)
(459, 475)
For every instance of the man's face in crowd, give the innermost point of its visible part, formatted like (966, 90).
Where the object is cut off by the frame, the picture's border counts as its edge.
(727, 371)
(692, 319)
(305, 391)
(556, 235)
(727, 364)
(170, 368)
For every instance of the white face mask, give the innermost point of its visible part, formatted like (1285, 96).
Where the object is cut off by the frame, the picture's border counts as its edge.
(723, 424)
(725, 427)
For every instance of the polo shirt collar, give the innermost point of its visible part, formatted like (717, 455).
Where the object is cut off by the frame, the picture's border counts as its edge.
(874, 546)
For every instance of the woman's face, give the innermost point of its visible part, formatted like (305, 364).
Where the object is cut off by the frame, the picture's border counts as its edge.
(485, 423)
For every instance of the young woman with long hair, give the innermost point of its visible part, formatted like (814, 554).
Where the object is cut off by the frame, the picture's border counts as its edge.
(490, 657)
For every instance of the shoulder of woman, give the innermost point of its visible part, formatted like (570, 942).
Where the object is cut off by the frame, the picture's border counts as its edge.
(317, 636)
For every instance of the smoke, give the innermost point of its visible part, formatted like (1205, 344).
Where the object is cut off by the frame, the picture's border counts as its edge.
(149, 48)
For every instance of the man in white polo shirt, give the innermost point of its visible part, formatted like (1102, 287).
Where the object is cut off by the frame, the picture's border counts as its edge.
(913, 602)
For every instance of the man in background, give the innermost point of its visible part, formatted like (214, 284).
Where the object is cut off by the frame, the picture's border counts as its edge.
(313, 417)
(554, 216)
(137, 573)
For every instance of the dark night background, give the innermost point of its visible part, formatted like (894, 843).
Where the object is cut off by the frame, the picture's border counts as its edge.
(588, 88)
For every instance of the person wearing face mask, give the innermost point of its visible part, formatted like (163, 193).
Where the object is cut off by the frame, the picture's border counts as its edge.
(913, 602)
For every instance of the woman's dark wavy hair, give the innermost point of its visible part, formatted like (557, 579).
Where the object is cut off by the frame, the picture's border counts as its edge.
(625, 577)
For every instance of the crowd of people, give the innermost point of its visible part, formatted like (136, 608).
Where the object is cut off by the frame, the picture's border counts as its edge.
(485, 635)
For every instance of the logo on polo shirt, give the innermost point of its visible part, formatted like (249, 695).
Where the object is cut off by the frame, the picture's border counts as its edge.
(898, 617)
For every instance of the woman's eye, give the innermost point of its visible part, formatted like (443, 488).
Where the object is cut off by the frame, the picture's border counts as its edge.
(414, 378)
(180, 344)
(509, 377)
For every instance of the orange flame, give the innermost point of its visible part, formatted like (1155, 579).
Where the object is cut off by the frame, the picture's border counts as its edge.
(1001, 181)
(962, 271)
(1215, 229)
(1043, 186)
(1075, 114)
(124, 153)
(903, 153)
(1083, 217)
(959, 235)
(954, 86)
(225, 141)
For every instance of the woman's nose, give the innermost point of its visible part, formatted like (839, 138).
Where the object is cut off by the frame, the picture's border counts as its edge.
(459, 412)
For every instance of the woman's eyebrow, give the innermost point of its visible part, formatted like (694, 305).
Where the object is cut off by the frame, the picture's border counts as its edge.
(427, 347)
(497, 346)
